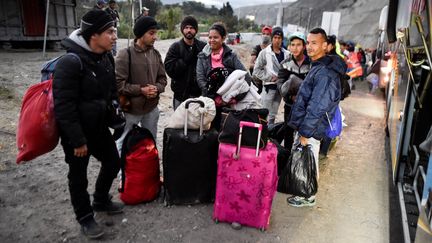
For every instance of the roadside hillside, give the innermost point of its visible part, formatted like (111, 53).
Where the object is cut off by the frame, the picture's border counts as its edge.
(359, 18)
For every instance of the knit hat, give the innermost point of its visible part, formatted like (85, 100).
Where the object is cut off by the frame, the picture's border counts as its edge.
(95, 21)
(143, 25)
(101, 2)
(189, 20)
(277, 31)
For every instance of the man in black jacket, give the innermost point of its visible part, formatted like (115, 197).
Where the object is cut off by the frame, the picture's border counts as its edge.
(181, 60)
(293, 71)
(84, 86)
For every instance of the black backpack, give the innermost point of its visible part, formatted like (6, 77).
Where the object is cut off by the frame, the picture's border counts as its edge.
(345, 87)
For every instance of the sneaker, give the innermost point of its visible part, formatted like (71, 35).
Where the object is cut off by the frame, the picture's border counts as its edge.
(297, 201)
(91, 229)
(109, 207)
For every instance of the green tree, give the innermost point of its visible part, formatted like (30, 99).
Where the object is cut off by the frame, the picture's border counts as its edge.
(153, 5)
(226, 14)
(198, 9)
(168, 18)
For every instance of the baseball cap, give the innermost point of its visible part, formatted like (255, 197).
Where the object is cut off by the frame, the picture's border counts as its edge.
(267, 29)
(297, 35)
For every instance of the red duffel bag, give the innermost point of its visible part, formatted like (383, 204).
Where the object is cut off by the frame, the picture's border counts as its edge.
(140, 168)
(37, 132)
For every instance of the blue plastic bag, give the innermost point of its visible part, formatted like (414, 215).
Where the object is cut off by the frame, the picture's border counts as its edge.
(335, 125)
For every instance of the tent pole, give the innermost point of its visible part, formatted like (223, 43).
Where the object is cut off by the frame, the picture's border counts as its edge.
(46, 29)
(132, 22)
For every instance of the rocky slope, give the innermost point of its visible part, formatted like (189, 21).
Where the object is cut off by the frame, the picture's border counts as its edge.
(359, 18)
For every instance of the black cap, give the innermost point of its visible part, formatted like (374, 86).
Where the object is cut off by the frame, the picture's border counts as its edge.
(144, 24)
(277, 31)
(95, 21)
(189, 20)
(111, 1)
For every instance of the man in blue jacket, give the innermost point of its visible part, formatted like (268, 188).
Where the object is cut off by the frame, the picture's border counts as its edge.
(316, 101)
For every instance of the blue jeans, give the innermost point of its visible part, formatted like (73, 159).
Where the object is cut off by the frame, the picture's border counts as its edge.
(149, 121)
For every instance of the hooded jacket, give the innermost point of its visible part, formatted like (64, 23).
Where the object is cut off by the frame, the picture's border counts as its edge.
(319, 96)
(267, 65)
(81, 96)
(229, 60)
(180, 64)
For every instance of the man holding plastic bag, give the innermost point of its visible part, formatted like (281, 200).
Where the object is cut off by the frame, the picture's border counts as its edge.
(318, 97)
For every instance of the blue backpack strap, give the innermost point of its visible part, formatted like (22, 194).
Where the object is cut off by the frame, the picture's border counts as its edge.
(76, 56)
(48, 67)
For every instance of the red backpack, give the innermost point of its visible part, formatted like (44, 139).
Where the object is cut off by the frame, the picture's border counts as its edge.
(37, 132)
(139, 167)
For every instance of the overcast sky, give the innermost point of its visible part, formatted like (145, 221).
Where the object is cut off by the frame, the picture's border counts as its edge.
(234, 3)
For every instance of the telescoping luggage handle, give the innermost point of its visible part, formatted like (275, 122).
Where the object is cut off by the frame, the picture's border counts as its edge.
(248, 124)
(186, 116)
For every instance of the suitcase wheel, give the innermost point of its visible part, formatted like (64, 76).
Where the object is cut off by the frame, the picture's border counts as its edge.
(262, 229)
(216, 221)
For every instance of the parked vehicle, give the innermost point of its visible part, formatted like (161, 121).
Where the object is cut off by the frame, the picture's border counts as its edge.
(405, 74)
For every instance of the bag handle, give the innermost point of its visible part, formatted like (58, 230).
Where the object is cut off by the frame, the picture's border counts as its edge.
(253, 125)
(329, 122)
(201, 103)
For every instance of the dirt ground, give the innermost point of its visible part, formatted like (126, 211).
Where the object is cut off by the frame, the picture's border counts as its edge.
(35, 204)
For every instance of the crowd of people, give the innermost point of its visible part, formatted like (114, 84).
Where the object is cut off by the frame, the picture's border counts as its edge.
(306, 76)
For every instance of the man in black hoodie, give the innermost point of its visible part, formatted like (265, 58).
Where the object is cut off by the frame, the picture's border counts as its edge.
(180, 62)
(84, 86)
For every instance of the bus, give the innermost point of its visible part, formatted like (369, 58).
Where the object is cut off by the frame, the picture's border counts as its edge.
(404, 49)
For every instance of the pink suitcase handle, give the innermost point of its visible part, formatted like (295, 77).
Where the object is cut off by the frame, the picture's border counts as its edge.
(253, 125)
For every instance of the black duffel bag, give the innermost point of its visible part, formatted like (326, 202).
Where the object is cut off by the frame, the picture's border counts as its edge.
(230, 126)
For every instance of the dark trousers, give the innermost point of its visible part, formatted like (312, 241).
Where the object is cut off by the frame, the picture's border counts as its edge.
(325, 145)
(216, 123)
(103, 148)
(289, 132)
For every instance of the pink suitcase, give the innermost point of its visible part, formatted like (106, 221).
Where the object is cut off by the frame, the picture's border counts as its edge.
(246, 182)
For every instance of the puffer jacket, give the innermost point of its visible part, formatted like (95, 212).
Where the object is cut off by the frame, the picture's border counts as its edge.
(180, 64)
(146, 68)
(81, 96)
(319, 96)
(229, 60)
